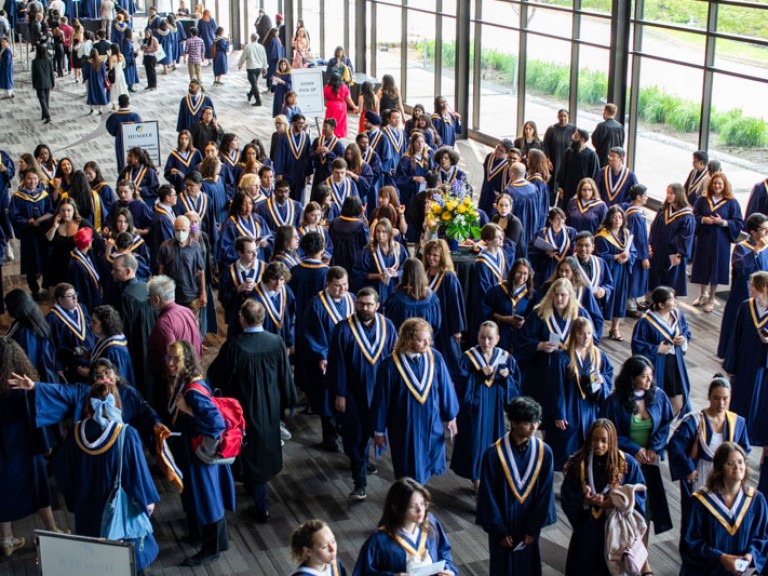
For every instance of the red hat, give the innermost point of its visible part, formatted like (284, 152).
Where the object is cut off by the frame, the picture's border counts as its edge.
(279, 17)
(83, 238)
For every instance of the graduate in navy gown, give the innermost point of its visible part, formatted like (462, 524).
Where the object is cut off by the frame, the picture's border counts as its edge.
(453, 316)
(413, 298)
(593, 274)
(718, 225)
(163, 218)
(569, 268)
(745, 359)
(111, 342)
(82, 272)
(526, 203)
(615, 246)
(758, 199)
(391, 146)
(447, 123)
(585, 210)
(545, 332)
(514, 246)
(494, 168)
(181, 161)
(510, 303)
(229, 156)
(71, 332)
(96, 78)
(312, 221)
(413, 397)
(590, 473)
(380, 264)
(350, 235)
(489, 380)
(292, 157)
(278, 301)
(238, 280)
(725, 532)
(243, 222)
(140, 169)
(220, 53)
(637, 225)
(582, 382)
(99, 446)
(341, 185)
(616, 180)
(412, 169)
(748, 257)
(191, 107)
(193, 199)
(662, 336)
(33, 333)
(642, 415)
(23, 471)
(325, 149)
(551, 244)
(30, 207)
(516, 497)
(209, 488)
(357, 347)
(408, 535)
(213, 186)
(671, 241)
(280, 209)
(538, 175)
(207, 27)
(129, 53)
(694, 442)
(491, 268)
(129, 198)
(313, 545)
(308, 276)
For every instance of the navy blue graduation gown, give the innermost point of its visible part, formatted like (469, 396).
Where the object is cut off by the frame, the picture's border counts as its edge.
(539, 367)
(399, 307)
(97, 92)
(207, 34)
(391, 147)
(23, 474)
(5, 184)
(542, 190)
(586, 549)
(220, 63)
(713, 243)
(115, 349)
(585, 216)
(370, 188)
(661, 415)
(367, 263)
(307, 279)
(499, 300)
(494, 174)
(614, 188)
(414, 417)
(234, 227)
(146, 182)
(209, 489)
(26, 205)
(351, 374)
(279, 319)
(231, 172)
(219, 198)
(447, 127)
(487, 272)
(758, 199)
(648, 333)
(141, 212)
(86, 475)
(525, 205)
(671, 234)
(328, 252)
(598, 277)
(292, 161)
(39, 349)
(275, 215)
(184, 163)
(506, 508)
(453, 316)
(189, 113)
(231, 297)
(203, 207)
(482, 401)
(747, 359)
(638, 276)
(366, 187)
(694, 434)
(161, 230)
(706, 533)
(407, 169)
(607, 246)
(574, 400)
(115, 122)
(350, 237)
(381, 555)
(67, 335)
(275, 51)
(131, 74)
(543, 264)
(340, 192)
(82, 274)
(321, 163)
(745, 260)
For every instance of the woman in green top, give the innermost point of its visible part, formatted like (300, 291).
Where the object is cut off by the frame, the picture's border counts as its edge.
(642, 414)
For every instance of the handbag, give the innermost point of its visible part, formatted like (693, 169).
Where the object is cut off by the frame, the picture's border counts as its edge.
(111, 75)
(123, 518)
(160, 53)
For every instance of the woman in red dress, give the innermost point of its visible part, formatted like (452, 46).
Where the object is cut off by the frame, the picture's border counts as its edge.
(336, 101)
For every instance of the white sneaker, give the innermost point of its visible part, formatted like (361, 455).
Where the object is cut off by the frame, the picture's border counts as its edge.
(284, 434)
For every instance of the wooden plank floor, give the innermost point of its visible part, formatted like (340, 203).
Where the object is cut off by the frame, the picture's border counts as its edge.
(313, 483)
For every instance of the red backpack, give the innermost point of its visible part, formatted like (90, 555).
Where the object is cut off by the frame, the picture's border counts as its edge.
(224, 449)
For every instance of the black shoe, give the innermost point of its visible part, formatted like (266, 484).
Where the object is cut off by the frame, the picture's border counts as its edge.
(358, 494)
(47, 121)
(256, 104)
(254, 515)
(131, 90)
(371, 468)
(332, 446)
(200, 559)
(248, 96)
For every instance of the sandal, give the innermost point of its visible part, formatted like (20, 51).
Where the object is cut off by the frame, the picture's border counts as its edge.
(709, 306)
(616, 335)
(10, 545)
(700, 300)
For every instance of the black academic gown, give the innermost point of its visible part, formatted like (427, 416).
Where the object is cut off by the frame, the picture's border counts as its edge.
(138, 321)
(253, 367)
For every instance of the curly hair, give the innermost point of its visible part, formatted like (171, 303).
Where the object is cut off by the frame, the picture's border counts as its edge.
(615, 465)
(13, 360)
(111, 324)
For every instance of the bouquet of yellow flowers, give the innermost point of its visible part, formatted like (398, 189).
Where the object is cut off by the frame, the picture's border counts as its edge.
(456, 215)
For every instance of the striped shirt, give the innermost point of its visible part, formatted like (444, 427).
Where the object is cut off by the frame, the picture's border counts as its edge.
(195, 50)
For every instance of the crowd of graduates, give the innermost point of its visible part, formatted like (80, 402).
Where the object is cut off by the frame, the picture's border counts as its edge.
(393, 346)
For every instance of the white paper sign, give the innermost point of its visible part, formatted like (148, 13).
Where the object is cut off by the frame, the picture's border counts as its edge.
(145, 135)
(308, 85)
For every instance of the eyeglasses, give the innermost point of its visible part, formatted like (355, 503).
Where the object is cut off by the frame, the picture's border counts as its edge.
(72, 295)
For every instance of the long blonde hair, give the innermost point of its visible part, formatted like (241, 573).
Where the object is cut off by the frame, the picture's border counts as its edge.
(593, 353)
(407, 334)
(546, 308)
